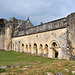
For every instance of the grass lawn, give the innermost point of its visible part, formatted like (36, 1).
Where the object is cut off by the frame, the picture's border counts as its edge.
(27, 64)
(14, 58)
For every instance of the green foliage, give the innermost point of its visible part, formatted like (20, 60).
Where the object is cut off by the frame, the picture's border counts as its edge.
(2, 70)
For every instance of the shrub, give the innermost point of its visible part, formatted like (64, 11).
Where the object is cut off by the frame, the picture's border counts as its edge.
(2, 70)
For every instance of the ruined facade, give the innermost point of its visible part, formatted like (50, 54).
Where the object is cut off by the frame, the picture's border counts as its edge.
(55, 39)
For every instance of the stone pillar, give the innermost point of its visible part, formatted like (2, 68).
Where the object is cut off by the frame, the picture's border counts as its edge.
(5, 40)
(60, 53)
(43, 49)
(20, 47)
(17, 46)
(14, 45)
(6, 44)
(38, 49)
(50, 52)
(32, 49)
(28, 48)
(24, 48)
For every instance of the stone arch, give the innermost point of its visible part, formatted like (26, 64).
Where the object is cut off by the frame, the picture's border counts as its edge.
(26, 48)
(41, 50)
(53, 42)
(46, 50)
(22, 47)
(35, 49)
(29, 48)
(55, 47)
(18, 45)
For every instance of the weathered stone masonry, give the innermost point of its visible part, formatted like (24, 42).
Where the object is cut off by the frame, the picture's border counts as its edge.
(55, 39)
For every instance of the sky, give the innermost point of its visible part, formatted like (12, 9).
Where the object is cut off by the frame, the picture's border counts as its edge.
(37, 10)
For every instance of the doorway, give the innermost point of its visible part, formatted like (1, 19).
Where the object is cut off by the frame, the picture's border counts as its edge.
(55, 52)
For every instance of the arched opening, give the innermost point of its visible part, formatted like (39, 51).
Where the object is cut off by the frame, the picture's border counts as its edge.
(22, 47)
(46, 50)
(19, 46)
(55, 52)
(35, 49)
(41, 50)
(26, 48)
(29, 49)
(54, 44)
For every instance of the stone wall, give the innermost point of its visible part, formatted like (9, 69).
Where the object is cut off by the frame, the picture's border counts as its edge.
(71, 35)
(22, 27)
(2, 39)
(57, 24)
(15, 21)
(52, 39)
(41, 42)
(2, 34)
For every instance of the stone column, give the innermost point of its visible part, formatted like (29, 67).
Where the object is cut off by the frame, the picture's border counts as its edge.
(60, 53)
(24, 48)
(32, 49)
(17, 46)
(28, 48)
(20, 47)
(6, 44)
(43, 49)
(50, 52)
(38, 49)
(14, 45)
(5, 40)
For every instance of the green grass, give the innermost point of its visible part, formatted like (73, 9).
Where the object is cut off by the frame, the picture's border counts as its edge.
(13, 58)
(39, 65)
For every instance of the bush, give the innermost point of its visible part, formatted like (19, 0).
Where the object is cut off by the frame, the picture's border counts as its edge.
(2, 70)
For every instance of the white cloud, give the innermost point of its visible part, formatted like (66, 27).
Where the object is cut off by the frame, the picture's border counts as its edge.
(38, 10)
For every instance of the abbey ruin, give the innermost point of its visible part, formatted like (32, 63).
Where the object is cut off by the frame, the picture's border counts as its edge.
(55, 39)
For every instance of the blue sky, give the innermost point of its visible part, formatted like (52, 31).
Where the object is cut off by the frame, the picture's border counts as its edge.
(37, 10)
